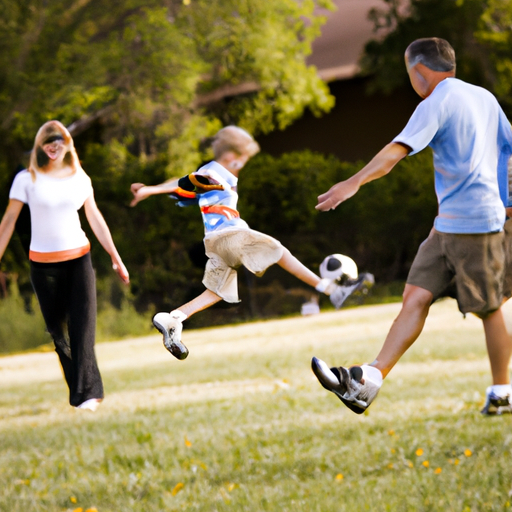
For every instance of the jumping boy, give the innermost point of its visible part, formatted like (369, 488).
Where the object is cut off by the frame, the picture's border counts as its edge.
(229, 242)
(471, 139)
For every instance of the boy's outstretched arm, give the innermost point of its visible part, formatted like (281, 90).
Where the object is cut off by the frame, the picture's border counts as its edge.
(141, 191)
(379, 166)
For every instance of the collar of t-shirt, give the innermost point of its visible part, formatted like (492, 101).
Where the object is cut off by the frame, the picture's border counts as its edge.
(227, 176)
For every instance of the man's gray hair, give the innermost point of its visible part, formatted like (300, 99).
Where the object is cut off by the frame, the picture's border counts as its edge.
(433, 52)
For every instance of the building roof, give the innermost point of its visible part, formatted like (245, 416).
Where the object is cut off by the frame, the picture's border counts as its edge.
(337, 51)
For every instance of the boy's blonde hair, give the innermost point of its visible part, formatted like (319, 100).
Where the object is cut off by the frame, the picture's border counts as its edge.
(52, 130)
(236, 139)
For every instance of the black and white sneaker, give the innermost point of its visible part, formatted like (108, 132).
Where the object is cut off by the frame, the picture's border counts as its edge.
(341, 292)
(496, 405)
(354, 386)
(171, 328)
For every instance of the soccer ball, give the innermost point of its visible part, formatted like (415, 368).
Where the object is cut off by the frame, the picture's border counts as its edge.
(337, 265)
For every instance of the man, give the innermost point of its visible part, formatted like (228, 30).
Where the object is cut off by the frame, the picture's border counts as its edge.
(465, 253)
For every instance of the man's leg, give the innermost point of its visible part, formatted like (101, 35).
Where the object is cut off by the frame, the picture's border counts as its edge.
(499, 347)
(405, 329)
(358, 386)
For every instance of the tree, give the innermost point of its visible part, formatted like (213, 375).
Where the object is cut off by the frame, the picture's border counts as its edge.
(403, 22)
(495, 34)
(155, 75)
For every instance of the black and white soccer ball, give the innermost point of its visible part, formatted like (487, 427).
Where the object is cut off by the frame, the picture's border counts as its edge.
(335, 266)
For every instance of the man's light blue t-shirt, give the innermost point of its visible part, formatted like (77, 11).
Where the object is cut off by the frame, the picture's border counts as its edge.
(471, 139)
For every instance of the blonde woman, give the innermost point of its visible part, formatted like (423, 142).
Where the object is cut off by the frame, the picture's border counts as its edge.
(55, 187)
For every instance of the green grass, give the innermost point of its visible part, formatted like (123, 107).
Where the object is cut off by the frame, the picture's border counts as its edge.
(242, 425)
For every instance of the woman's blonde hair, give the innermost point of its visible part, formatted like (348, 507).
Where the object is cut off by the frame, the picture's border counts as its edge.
(50, 131)
(236, 139)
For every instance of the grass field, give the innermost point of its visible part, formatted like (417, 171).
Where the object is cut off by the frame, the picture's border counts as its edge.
(242, 424)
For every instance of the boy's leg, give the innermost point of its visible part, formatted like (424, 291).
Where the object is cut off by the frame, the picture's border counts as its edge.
(292, 265)
(171, 324)
(203, 301)
(337, 293)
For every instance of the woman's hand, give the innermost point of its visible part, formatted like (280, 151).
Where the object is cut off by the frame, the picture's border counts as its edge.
(121, 270)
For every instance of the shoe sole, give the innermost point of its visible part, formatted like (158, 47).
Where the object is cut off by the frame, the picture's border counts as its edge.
(328, 380)
(176, 348)
(499, 407)
(362, 284)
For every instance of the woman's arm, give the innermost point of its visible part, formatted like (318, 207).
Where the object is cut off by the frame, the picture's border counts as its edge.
(100, 229)
(8, 223)
(141, 191)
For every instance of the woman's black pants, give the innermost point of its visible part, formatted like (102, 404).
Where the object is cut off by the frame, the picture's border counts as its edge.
(66, 292)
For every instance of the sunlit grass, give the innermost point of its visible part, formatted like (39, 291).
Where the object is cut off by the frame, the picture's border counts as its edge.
(242, 425)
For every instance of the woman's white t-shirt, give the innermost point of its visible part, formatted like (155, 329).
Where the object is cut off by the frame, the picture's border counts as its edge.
(54, 205)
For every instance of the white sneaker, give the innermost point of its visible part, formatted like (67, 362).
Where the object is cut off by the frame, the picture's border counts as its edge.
(356, 386)
(91, 405)
(170, 325)
(496, 405)
(341, 292)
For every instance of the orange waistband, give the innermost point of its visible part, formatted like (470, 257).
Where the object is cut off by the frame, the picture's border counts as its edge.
(221, 210)
(57, 256)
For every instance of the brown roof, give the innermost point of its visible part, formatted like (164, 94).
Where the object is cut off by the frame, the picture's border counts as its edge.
(336, 52)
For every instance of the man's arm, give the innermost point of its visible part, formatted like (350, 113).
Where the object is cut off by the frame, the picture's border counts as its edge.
(380, 165)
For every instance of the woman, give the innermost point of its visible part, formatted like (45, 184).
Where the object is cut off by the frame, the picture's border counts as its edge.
(55, 187)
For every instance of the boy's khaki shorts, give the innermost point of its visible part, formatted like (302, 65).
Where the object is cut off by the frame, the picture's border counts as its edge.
(230, 248)
(470, 268)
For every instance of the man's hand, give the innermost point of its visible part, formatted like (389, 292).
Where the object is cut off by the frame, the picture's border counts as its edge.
(378, 166)
(336, 195)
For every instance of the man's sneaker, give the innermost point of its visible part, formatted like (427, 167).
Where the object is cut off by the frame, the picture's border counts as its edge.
(341, 292)
(496, 405)
(354, 386)
(170, 326)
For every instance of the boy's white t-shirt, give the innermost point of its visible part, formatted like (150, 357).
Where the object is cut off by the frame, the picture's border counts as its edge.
(54, 205)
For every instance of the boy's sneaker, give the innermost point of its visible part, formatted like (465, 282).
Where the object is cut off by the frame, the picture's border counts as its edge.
(341, 292)
(496, 405)
(354, 386)
(171, 327)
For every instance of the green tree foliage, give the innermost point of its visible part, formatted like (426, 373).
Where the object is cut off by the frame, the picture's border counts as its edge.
(403, 22)
(495, 34)
(155, 72)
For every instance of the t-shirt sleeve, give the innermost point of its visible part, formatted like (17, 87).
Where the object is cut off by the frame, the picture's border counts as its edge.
(505, 159)
(18, 188)
(421, 128)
